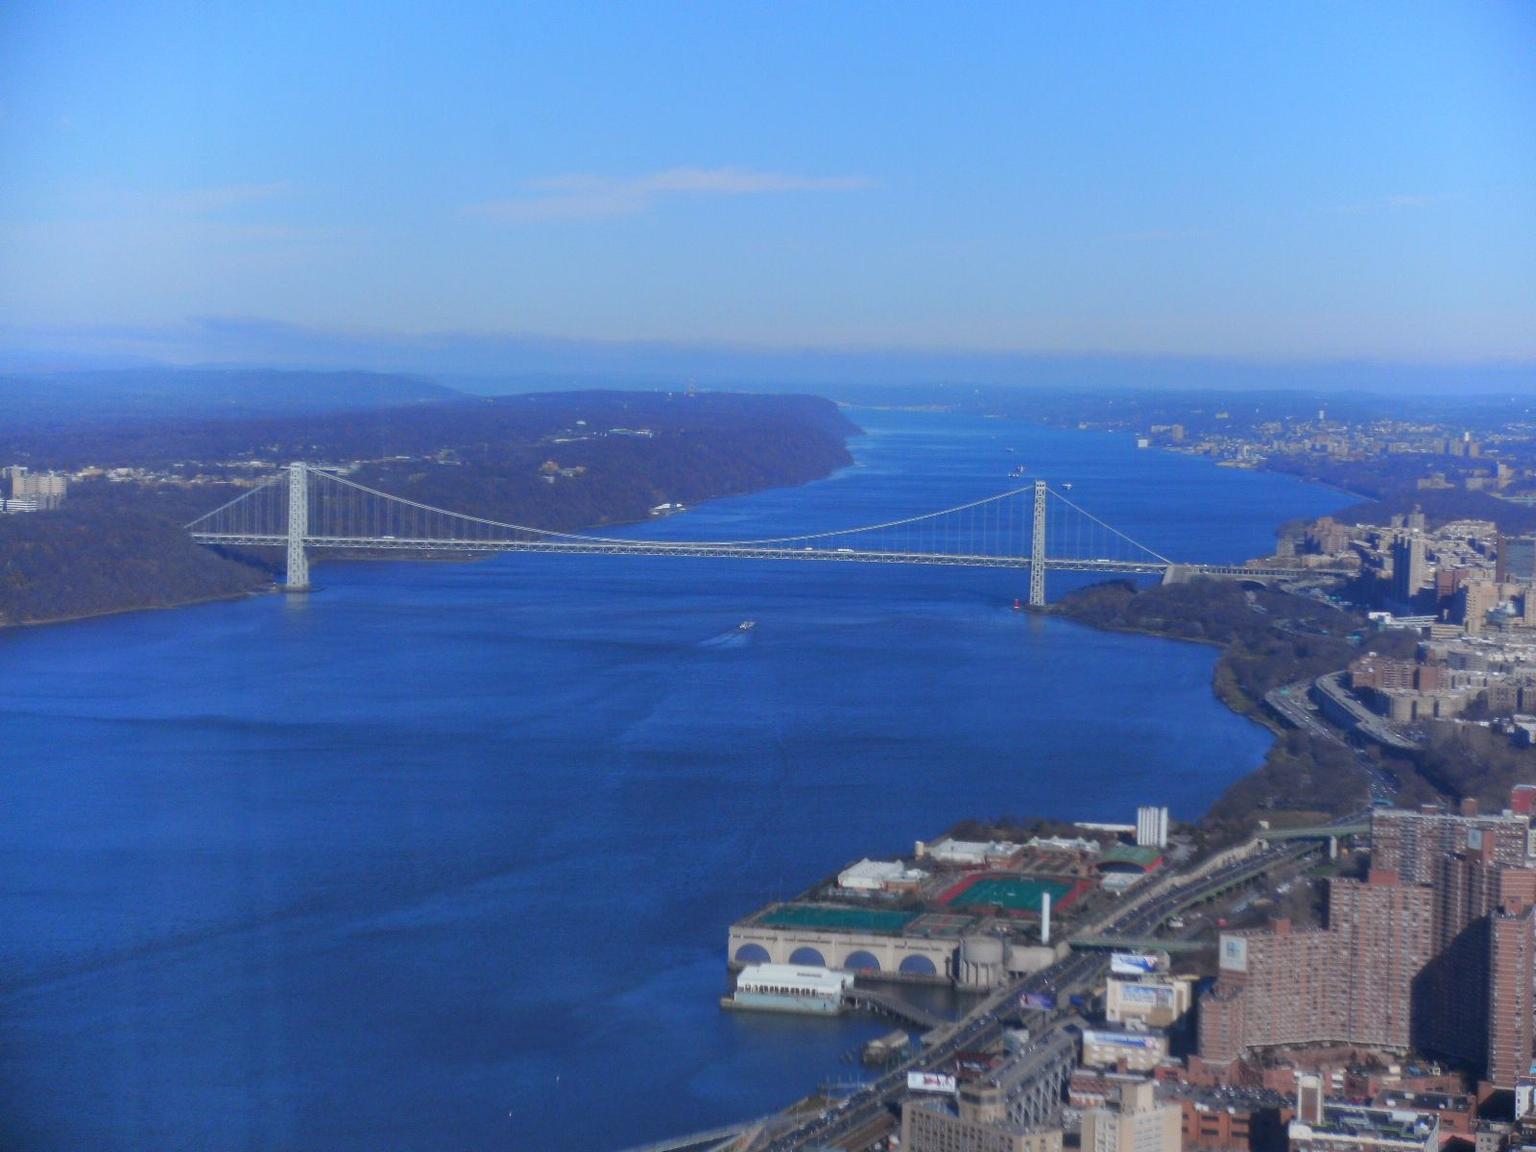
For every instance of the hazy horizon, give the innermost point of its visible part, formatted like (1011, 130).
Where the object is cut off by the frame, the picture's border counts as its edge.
(479, 363)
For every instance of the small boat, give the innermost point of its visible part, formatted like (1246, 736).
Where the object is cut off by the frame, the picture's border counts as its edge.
(1018, 473)
(746, 626)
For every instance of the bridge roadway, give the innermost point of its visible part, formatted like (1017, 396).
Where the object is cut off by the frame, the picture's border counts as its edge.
(1074, 973)
(703, 549)
(1138, 944)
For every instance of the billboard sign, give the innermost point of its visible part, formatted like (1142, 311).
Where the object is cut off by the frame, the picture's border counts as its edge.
(1147, 995)
(1234, 954)
(1140, 1041)
(1134, 963)
(1525, 1096)
(930, 1082)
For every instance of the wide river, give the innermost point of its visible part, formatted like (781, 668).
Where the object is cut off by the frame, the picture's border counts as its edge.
(442, 857)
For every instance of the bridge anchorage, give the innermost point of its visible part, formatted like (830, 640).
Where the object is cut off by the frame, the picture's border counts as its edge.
(304, 509)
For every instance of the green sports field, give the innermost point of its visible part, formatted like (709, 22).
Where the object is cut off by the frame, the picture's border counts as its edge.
(1018, 893)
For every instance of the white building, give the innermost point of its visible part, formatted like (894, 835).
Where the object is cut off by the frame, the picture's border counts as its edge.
(967, 853)
(1152, 827)
(1134, 1051)
(1063, 844)
(877, 875)
(793, 980)
(45, 490)
(1139, 1124)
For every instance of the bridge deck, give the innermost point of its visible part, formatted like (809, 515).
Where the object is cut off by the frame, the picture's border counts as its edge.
(703, 549)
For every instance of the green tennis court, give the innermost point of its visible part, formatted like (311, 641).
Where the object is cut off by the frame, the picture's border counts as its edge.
(831, 916)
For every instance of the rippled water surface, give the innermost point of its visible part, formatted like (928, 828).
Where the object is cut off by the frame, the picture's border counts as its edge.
(443, 856)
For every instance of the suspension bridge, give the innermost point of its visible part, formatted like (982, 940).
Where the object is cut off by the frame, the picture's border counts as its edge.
(305, 509)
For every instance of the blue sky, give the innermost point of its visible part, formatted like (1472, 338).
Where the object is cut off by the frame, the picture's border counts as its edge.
(1286, 181)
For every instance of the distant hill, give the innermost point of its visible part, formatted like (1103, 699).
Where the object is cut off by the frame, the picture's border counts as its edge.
(154, 394)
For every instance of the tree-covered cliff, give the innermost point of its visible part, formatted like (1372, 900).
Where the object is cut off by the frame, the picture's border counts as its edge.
(556, 461)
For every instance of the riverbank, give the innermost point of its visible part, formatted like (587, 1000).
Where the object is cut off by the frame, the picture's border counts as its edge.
(193, 603)
(569, 462)
(1267, 640)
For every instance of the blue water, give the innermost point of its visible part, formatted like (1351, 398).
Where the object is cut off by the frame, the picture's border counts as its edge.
(443, 856)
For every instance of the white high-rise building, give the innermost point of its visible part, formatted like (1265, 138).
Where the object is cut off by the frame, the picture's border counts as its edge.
(1152, 827)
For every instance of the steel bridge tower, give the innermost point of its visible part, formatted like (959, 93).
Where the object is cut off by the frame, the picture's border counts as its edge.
(298, 528)
(1037, 549)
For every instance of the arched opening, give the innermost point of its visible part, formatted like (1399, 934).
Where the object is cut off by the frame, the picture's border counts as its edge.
(917, 965)
(752, 954)
(862, 962)
(808, 956)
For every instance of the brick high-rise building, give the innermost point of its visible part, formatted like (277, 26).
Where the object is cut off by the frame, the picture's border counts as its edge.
(1351, 983)
(1412, 844)
(1473, 884)
(1440, 958)
(1511, 980)
(1455, 1009)
(1276, 987)
(1386, 935)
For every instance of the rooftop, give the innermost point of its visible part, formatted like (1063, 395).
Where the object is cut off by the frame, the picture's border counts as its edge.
(949, 1108)
(1371, 1124)
(1427, 1101)
(1218, 1097)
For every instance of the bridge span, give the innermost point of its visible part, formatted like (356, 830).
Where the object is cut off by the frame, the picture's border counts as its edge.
(1034, 529)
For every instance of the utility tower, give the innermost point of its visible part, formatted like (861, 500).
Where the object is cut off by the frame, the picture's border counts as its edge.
(1037, 550)
(298, 528)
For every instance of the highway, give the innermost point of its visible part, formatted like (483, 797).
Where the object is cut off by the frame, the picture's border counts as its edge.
(1291, 704)
(1294, 706)
(1366, 722)
(1072, 974)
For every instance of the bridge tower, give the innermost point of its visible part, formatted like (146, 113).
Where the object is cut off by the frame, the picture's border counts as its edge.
(298, 528)
(1037, 550)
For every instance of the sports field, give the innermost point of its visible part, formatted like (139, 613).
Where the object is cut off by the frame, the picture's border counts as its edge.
(882, 920)
(1016, 893)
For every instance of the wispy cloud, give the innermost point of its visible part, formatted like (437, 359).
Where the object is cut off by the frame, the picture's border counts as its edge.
(201, 201)
(1416, 200)
(583, 196)
(1400, 201)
